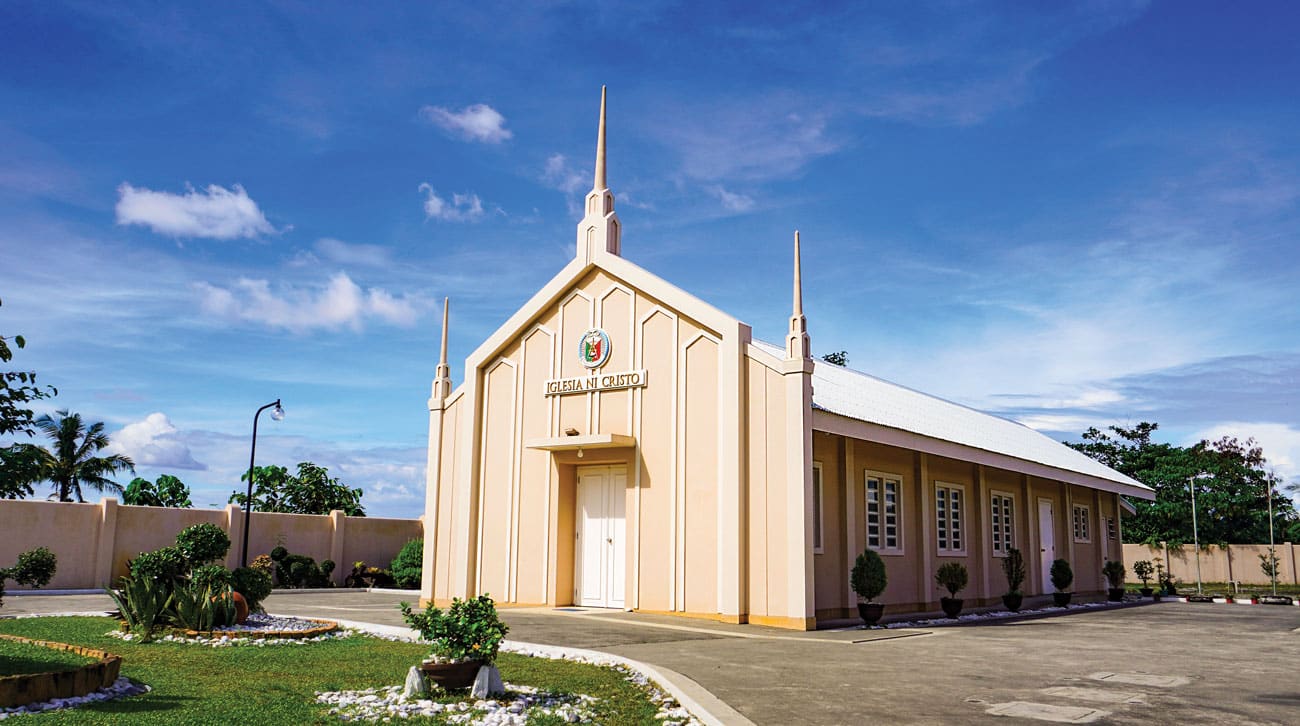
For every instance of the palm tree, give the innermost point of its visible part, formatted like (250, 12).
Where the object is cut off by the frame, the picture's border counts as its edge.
(72, 462)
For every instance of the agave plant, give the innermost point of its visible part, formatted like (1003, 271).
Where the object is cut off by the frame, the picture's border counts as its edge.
(199, 606)
(143, 604)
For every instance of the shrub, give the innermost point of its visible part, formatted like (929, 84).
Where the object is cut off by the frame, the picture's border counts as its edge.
(167, 563)
(468, 630)
(144, 604)
(264, 564)
(34, 568)
(210, 576)
(868, 578)
(1114, 572)
(1013, 566)
(364, 576)
(1062, 575)
(1143, 570)
(952, 576)
(408, 567)
(203, 543)
(297, 571)
(253, 584)
(201, 607)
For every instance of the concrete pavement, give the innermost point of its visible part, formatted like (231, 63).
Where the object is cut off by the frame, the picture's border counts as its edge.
(1170, 663)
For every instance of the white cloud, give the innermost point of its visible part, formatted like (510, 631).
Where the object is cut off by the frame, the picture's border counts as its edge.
(340, 303)
(558, 174)
(153, 442)
(216, 212)
(462, 207)
(732, 201)
(345, 253)
(479, 122)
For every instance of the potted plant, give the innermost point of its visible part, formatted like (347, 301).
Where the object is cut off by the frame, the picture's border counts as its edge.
(1143, 570)
(1013, 566)
(1062, 578)
(1114, 572)
(952, 577)
(868, 580)
(465, 638)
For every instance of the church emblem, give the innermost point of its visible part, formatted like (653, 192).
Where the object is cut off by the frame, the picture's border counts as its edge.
(594, 348)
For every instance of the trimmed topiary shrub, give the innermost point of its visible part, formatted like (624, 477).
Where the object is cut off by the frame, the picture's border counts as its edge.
(408, 567)
(868, 578)
(952, 576)
(34, 568)
(203, 543)
(1062, 575)
(298, 571)
(1013, 566)
(254, 585)
(167, 563)
(214, 576)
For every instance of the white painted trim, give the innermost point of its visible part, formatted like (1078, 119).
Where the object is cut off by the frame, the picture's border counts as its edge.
(865, 431)
(1085, 521)
(993, 544)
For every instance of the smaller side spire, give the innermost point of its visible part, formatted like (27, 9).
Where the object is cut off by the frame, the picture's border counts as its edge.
(797, 345)
(442, 377)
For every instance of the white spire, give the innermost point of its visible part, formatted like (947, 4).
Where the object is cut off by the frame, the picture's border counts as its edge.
(442, 377)
(797, 345)
(598, 232)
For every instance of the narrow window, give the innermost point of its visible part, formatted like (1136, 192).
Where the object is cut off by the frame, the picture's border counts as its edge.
(1081, 524)
(1002, 514)
(1110, 528)
(817, 508)
(883, 495)
(949, 518)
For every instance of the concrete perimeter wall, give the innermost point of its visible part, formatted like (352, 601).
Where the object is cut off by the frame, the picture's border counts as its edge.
(93, 542)
(1239, 563)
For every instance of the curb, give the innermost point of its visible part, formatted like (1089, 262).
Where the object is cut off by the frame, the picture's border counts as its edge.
(705, 706)
(1295, 602)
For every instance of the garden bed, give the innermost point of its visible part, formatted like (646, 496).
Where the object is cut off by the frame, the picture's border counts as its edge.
(67, 671)
(280, 685)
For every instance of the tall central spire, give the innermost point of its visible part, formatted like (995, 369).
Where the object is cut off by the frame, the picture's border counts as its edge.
(600, 183)
(797, 345)
(598, 232)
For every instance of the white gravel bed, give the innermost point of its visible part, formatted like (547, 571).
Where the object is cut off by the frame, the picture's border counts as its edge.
(991, 615)
(121, 688)
(261, 621)
(231, 635)
(518, 706)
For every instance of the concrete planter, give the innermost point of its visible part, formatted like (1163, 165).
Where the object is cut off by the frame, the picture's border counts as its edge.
(870, 612)
(452, 675)
(1012, 601)
(951, 606)
(1061, 599)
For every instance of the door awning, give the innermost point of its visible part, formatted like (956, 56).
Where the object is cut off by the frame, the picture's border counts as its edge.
(587, 441)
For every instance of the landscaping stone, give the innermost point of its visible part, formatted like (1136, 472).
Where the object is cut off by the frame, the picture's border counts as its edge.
(120, 688)
(487, 683)
(416, 687)
(517, 705)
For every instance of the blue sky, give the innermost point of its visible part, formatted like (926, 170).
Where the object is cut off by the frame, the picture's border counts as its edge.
(1070, 215)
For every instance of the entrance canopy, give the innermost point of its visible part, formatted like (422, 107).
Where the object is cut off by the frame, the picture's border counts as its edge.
(588, 441)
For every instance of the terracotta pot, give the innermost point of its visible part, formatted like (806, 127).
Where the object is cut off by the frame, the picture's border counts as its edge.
(951, 606)
(871, 612)
(452, 675)
(1061, 599)
(241, 608)
(1012, 601)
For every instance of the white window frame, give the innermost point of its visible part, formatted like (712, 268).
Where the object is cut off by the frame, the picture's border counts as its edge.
(1112, 532)
(1006, 539)
(819, 508)
(945, 513)
(1081, 525)
(883, 477)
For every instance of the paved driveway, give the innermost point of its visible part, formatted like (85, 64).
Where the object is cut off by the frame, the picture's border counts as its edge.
(1171, 663)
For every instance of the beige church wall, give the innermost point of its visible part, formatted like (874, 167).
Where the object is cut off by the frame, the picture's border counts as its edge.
(1005, 483)
(767, 530)
(1047, 489)
(496, 487)
(833, 596)
(440, 511)
(942, 471)
(655, 508)
(533, 525)
(699, 504)
(902, 568)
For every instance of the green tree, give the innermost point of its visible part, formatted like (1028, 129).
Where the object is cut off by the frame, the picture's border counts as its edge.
(311, 491)
(1231, 495)
(18, 461)
(839, 358)
(73, 461)
(167, 492)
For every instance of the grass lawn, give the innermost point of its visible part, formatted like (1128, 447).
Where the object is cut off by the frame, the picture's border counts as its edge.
(23, 658)
(196, 684)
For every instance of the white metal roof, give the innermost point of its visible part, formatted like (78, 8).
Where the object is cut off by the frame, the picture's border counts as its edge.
(856, 395)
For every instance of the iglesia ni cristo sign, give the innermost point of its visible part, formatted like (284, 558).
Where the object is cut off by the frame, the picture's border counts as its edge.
(596, 382)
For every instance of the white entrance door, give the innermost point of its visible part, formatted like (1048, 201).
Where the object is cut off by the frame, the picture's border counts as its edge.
(1046, 541)
(601, 562)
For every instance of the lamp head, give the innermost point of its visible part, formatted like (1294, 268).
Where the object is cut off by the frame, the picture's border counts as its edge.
(277, 413)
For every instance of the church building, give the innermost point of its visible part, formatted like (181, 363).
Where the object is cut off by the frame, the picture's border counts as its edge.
(620, 443)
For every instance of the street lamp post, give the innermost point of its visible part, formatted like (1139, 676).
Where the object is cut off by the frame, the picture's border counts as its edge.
(1196, 538)
(1272, 553)
(276, 415)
